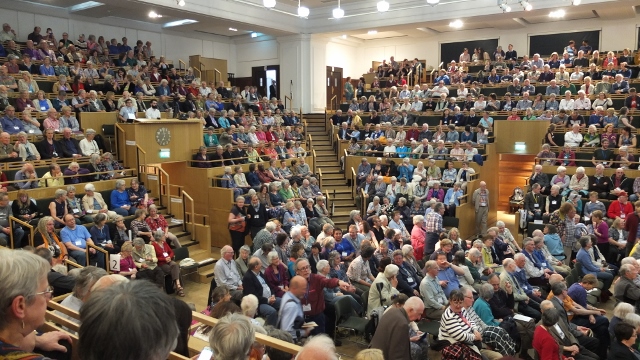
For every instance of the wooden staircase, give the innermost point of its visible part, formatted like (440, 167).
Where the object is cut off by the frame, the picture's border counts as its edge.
(333, 179)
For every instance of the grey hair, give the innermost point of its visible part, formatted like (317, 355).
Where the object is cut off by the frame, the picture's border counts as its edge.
(624, 269)
(270, 226)
(438, 207)
(249, 305)
(623, 309)
(391, 270)
(629, 260)
(430, 265)
(138, 241)
(245, 248)
(85, 280)
(20, 275)
(71, 188)
(133, 300)
(417, 219)
(499, 223)
(319, 343)
(272, 255)
(633, 319)
(89, 187)
(321, 265)
(158, 234)
(120, 183)
(295, 231)
(232, 337)
(60, 193)
(518, 256)
(486, 291)
(474, 252)
(100, 217)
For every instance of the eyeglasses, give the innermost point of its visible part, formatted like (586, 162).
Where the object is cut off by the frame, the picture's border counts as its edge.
(304, 268)
(47, 293)
(468, 297)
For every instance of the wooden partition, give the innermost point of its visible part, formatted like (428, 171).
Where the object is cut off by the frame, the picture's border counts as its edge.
(183, 136)
(209, 64)
(95, 120)
(531, 133)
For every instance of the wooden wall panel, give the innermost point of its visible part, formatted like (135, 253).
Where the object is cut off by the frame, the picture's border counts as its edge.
(507, 133)
(95, 120)
(513, 171)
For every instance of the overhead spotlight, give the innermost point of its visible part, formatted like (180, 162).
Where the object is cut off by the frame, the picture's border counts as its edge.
(526, 5)
(338, 12)
(505, 8)
(303, 11)
(457, 24)
(383, 6)
(576, 2)
(181, 2)
(233, 29)
(433, 2)
(372, 32)
(269, 4)
(254, 34)
(152, 14)
(557, 14)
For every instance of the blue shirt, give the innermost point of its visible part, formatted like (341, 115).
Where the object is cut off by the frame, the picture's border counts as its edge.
(119, 198)
(449, 275)
(345, 248)
(291, 309)
(453, 194)
(578, 294)
(554, 244)
(47, 71)
(77, 236)
(587, 266)
(12, 125)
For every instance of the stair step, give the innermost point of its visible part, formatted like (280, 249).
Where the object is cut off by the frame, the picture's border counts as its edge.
(332, 176)
(337, 189)
(329, 182)
(342, 202)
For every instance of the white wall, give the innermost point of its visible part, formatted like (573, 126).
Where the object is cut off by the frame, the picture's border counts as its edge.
(615, 35)
(255, 52)
(172, 44)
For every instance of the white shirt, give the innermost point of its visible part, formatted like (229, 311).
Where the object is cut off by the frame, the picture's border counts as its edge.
(572, 139)
(566, 104)
(582, 104)
(152, 113)
(87, 148)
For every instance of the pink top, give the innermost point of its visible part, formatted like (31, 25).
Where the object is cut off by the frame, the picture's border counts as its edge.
(52, 124)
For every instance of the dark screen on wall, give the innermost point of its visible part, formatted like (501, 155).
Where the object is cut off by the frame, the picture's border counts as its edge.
(452, 51)
(547, 44)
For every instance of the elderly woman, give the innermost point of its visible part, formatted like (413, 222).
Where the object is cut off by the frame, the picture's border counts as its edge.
(562, 180)
(93, 203)
(120, 202)
(26, 83)
(157, 222)
(67, 120)
(276, 275)
(504, 233)
(26, 150)
(242, 262)
(462, 335)
(41, 103)
(46, 237)
(101, 236)
(29, 124)
(418, 236)
(24, 277)
(543, 342)
(58, 207)
(139, 227)
(136, 260)
(588, 267)
(387, 282)
(74, 174)
(75, 207)
(165, 259)
(121, 234)
(88, 146)
(24, 103)
(138, 195)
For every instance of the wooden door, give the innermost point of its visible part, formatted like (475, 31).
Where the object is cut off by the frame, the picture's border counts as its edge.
(334, 86)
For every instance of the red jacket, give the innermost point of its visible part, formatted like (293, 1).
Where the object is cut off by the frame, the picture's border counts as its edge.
(160, 252)
(315, 293)
(616, 209)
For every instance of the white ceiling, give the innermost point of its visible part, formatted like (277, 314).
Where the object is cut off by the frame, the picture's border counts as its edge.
(405, 18)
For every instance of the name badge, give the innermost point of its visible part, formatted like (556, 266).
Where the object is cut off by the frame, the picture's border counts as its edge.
(622, 216)
(536, 205)
(410, 279)
(75, 211)
(43, 108)
(16, 128)
(306, 307)
(130, 270)
(159, 229)
(554, 202)
(31, 131)
(78, 242)
(483, 204)
(344, 253)
(257, 217)
(165, 254)
(544, 264)
(141, 260)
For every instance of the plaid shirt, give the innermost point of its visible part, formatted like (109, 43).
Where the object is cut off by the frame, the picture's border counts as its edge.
(433, 222)
(359, 270)
(495, 336)
(566, 228)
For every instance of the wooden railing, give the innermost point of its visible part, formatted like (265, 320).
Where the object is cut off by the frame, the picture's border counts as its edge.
(13, 219)
(165, 188)
(199, 76)
(181, 63)
(290, 98)
(103, 251)
(140, 150)
(189, 215)
(354, 181)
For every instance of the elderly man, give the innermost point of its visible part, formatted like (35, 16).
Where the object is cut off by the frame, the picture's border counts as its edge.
(313, 303)
(431, 290)
(76, 238)
(226, 273)
(448, 273)
(537, 271)
(534, 203)
(264, 236)
(391, 335)
(480, 201)
(5, 228)
(291, 315)
(538, 177)
(541, 248)
(233, 336)
(255, 284)
(433, 227)
(625, 289)
(573, 138)
(568, 338)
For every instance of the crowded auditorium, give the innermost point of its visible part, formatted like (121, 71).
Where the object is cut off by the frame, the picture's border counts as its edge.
(420, 181)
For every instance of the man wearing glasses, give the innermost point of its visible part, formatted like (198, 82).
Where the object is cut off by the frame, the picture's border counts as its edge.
(313, 299)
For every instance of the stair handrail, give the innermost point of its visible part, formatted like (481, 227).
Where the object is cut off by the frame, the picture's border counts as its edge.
(144, 154)
(191, 213)
(180, 63)
(290, 98)
(167, 188)
(315, 162)
(13, 219)
(333, 100)
(103, 251)
(329, 202)
(353, 181)
(319, 176)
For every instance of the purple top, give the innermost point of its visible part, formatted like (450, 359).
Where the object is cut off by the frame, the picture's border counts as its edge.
(603, 229)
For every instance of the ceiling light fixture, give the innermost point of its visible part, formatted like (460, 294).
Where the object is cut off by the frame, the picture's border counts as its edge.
(383, 6)
(457, 24)
(233, 29)
(180, 2)
(433, 2)
(254, 34)
(372, 32)
(526, 5)
(502, 4)
(303, 11)
(269, 4)
(576, 2)
(557, 14)
(152, 14)
(344, 36)
(338, 12)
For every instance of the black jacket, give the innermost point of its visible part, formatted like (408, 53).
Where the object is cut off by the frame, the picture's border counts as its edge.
(62, 284)
(258, 218)
(530, 202)
(67, 151)
(251, 285)
(46, 152)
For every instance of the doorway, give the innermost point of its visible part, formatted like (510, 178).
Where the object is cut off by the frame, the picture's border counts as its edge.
(334, 87)
(264, 77)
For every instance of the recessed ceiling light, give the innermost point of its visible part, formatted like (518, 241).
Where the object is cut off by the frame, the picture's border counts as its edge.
(456, 24)
(154, 15)
(233, 29)
(269, 4)
(85, 5)
(181, 2)
(254, 34)
(557, 14)
(344, 36)
(383, 6)
(372, 32)
(303, 11)
(338, 13)
(576, 2)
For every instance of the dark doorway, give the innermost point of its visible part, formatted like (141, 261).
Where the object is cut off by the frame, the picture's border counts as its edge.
(262, 76)
(334, 87)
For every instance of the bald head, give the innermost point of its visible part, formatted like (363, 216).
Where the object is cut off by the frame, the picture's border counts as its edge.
(414, 306)
(546, 305)
(298, 286)
(555, 278)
